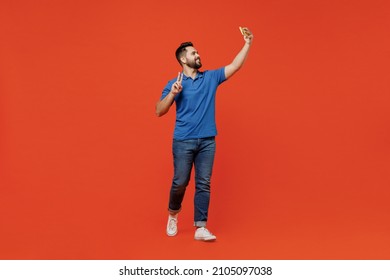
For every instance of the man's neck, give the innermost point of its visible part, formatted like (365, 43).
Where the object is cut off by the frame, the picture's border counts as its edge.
(190, 72)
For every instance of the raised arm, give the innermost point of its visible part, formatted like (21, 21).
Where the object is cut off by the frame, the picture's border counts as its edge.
(240, 58)
(162, 106)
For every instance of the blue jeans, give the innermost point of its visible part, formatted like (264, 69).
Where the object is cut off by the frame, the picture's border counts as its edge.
(186, 153)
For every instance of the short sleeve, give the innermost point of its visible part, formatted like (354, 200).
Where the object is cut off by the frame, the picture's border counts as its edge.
(219, 75)
(166, 90)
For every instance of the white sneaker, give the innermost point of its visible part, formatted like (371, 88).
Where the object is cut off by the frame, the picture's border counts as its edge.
(203, 234)
(172, 225)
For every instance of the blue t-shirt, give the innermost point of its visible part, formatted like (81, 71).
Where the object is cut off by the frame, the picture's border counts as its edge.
(195, 104)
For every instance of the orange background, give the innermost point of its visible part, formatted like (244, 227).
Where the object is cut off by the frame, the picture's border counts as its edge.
(303, 154)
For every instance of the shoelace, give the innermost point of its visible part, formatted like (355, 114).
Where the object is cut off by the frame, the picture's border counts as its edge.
(172, 223)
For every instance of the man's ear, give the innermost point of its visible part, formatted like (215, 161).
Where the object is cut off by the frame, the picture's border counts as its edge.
(183, 60)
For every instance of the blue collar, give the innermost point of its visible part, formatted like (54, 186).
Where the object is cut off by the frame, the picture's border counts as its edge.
(198, 75)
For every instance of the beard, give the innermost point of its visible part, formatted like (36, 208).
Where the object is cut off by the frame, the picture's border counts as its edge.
(196, 64)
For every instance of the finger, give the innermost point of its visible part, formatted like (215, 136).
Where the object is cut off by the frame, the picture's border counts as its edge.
(180, 77)
(245, 31)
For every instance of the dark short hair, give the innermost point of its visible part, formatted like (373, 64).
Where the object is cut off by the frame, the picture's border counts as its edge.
(182, 49)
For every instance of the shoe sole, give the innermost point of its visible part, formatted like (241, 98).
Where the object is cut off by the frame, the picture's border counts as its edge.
(173, 234)
(205, 239)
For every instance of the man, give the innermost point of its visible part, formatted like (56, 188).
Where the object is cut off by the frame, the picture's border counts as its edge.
(194, 137)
